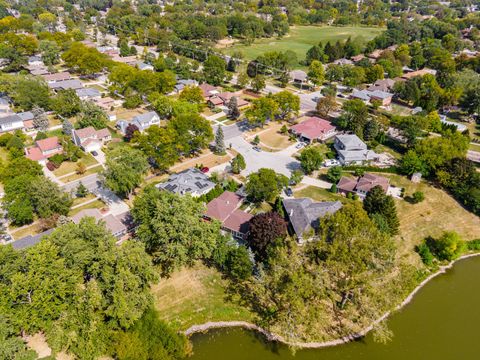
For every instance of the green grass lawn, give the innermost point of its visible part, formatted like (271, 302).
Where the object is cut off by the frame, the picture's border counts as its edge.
(97, 204)
(319, 194)
(194, 296)
(27, 230)
(68, 167)
(74, 177)
(301, 38)
(475, 147)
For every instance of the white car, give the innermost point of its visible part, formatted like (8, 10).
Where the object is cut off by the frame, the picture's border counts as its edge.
(330, 163)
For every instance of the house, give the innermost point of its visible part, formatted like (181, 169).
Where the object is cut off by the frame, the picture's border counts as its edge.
(368, 96)
(66, 84)
(10, 122)
(30, 240)
(375, 54)
(362, 185)
(88, 93)
(112, 223)
(313, 129)
(304, 214)
(129, 60)
(142, 121)
(352, 150)
(191, 181)
(182, 83)
(4, 106)
(208, 90)
(358, 58)
(144, 66)
(27, 118)
(43, 149)
(222, 99)
(421, 72)
(298, 76)
(343, 61)
(225, 209)
(360, 94)
(383, 85)
(90, 139)
(38, 70)
(460, 127)
(60, 76)
(35, 61)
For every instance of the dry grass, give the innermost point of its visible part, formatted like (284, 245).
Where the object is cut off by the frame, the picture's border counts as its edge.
(38, 343)
(74, 177)
(439, 212)
(32, 229)
(206, 158)
(97, 204)
(194, 296)
(68, 167)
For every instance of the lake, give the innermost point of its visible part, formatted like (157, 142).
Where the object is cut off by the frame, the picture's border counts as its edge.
(440, 323)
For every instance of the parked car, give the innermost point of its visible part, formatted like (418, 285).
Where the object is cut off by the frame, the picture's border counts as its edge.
(94, 153)
(300, 145)
(330, 163)
(288, 191)
(204, 169)
(256, 148)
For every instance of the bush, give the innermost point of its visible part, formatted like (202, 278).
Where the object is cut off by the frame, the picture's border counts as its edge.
(57, 159)
(4, 139)
(448, 247)
(418, 197)
(473, 245)
(333, 188)
(425, 254)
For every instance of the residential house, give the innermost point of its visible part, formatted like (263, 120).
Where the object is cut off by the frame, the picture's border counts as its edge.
(112, 223)
(225, 209)
(38, 70)
(43, 149)
(416, 73)
(10, 122)
(222, 99)
(352, 150)
(182, 83)
(88, 94)
(304, 214)
(208, 90)
(191, 181)
(368, 96)
(129, 60)
(30, 240)
(142, 121)
(343, 61)
(66, 85)
(90, 139)
(313, 129)
(107, 102)
(362, 185)
(385, 85)
(4, 107)
(298, 76)
(144, 66)
(358, 58)
(60, 76)
(27, 118)
(35, 61)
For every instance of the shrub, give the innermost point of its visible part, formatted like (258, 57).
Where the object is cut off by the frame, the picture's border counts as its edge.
(425, 254)
(418, 197)
(448, 247)
(57, 159)
(473, 245)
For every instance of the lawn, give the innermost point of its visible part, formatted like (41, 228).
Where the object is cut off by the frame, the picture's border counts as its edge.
(97, 204)
(437, 213)
(195, 296)
(80, 200)
(3, 154)
(25, 231)
(207, 159)
(319, 194)
(74, 177)
(273, 140)
(475, 147)
(68, 167)
(302, 38)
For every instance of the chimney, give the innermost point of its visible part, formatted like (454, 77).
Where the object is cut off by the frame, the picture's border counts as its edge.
(291, 212)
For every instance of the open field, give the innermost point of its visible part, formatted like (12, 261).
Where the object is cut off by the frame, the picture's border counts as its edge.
(301, 38)
(195, 296)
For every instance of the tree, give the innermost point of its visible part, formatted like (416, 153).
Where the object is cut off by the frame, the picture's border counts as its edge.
(288, 104)
(311, 159)
(447, 247)
(84, 60)
(262, 110)
(40, 119)
(243, 80)
(67, 127)
(124, 170)
(66, 103)
(355, 116)
(81, 191)
(264, 231)
(193, 132)
(238, 264)
(374, 73)
(258, 83)
(192, 94)
(159, 144)
(92, 115)
(238, 164)
(47, 198)
(81, 168)
(130, 132)
(316, 73)
(161, 218)
(50, 52)
(334, 174)
(326, 105)
(219, 141)
(214, 70)
(233, 111)
(265, 185)
(418, 197)
(377, 202)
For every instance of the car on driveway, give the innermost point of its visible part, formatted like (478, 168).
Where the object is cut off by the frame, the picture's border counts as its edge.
(94, 153)
(330, 163)
(204, 169)
(300, 145)
(288, 191)
(256, 148)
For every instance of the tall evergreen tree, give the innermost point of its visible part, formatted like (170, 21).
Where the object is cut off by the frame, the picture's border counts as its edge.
(219, 141)
(233, 111)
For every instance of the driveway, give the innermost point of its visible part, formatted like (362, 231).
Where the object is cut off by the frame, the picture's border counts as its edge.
(100, 157)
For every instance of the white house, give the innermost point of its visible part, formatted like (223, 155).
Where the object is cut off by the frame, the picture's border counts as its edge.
(10, 123)
(90, 139)
(142, 121)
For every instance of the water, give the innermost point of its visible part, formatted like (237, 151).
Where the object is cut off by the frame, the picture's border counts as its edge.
(440, 323)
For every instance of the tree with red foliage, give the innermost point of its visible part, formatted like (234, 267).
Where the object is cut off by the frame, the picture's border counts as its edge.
(265, 229)
(130, 131)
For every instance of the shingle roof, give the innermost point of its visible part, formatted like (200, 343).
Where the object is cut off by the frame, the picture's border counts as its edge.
(221, 207)
(66, 84)
(57, 76)
(313, 127)
(142, 118)
(238, 221)
(26, 115)
(48, 144)
(304, 213)
(351, 142)
(10, 119)
(186, 182)
(30, 240)
(85, 132)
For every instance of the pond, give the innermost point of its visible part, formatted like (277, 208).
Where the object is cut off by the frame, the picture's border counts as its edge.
(440, 323)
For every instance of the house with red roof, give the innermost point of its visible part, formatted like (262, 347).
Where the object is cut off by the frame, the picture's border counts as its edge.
(208, 90)
(225, 209)
(362, 185)
(43, 149)
(313, 129)
(222, 99)
(90, 139)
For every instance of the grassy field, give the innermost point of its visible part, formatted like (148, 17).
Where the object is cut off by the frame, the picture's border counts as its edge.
(195, 296)
(301, 38)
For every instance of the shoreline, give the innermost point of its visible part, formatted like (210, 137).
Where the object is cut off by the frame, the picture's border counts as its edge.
(317, 345)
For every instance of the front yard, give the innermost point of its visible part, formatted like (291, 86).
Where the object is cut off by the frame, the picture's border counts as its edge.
(68, 167)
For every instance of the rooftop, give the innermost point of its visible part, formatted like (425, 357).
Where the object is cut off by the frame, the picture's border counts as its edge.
(222, 207)
(313, 128)
(186, 182)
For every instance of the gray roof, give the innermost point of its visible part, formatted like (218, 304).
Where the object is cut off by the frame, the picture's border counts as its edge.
(4, 101)
(360, 94)
(187, 182)
(144, 118)
(304, 213)
(351, 142)
(89, 92)
(26, 115)
(30, 240)
(10, 118)
(357, 155)
(380, 94)
(66, 84)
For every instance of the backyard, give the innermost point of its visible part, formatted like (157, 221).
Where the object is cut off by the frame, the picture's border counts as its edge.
(301, 38)
(194, 296)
